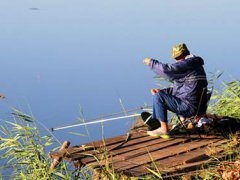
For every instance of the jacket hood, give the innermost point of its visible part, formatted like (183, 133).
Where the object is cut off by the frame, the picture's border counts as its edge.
(193, 62)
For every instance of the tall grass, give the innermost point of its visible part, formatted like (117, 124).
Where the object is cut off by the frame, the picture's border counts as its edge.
(226, 101)
(23, 150)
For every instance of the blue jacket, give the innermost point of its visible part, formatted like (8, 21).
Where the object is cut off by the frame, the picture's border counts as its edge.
(189, 81)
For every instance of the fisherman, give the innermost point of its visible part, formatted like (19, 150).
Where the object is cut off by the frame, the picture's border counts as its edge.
(188, 96)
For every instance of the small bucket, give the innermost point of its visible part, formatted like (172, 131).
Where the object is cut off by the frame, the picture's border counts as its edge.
(152, 123)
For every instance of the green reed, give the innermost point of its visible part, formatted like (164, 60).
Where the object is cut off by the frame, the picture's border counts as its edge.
(23, 150)
(226, 101)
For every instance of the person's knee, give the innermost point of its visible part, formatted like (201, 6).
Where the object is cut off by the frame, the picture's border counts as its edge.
(158, 97)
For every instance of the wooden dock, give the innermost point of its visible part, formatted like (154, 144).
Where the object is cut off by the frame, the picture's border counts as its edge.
(137, 154)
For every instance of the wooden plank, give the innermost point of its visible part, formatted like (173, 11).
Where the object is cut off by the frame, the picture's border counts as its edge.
(96, 144)
(136, 145)
(130, 145)
(141, 145)
(159, 154)
(74, 155)
(113, 140)
(130, 141)
(144, 151)
(132, 151)
(163, 165)
(196, 167)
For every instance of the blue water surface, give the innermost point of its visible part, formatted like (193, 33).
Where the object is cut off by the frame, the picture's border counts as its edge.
(59, 56)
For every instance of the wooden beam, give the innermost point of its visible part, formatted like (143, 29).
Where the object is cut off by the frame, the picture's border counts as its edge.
(58, 159)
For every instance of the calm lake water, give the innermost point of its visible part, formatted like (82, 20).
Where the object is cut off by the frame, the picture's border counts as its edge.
(59, 56)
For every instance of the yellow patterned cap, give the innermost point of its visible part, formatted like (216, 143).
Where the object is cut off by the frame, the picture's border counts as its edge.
(178, 50)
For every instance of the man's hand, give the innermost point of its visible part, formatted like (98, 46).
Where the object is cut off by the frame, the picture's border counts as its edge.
(2, 96)
(147, 61)
(154, 91)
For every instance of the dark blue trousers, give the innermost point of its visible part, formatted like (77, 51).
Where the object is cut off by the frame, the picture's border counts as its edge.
(162, 102)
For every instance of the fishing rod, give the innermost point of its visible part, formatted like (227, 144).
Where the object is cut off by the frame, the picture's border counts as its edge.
(105, 118)
(94, 122)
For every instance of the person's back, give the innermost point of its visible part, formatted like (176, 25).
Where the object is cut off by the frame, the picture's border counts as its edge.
(192, 87)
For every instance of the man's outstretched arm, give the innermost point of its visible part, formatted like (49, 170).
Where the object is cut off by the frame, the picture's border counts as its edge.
(168, 71)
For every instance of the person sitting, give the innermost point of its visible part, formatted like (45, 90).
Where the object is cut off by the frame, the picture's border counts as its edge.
(188, 96)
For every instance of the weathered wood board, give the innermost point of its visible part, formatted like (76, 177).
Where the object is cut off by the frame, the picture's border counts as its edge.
(141, 152)
(136, 153)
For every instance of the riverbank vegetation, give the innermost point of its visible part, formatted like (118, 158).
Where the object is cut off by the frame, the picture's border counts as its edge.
(23, 150)
(24, 156)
